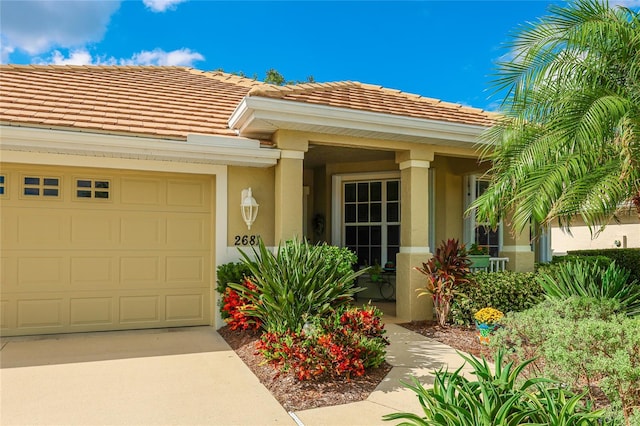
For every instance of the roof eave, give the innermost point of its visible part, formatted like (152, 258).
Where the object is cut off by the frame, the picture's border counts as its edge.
(259, 117)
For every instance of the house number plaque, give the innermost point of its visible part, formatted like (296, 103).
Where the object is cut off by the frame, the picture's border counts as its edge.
(246, 240)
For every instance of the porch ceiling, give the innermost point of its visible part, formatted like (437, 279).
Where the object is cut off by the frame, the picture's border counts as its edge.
(319, 155)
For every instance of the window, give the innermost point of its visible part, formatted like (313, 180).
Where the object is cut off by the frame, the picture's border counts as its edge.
(93, 189)
(480, 233)
(2, 185)
(39, 186)
(371, 220)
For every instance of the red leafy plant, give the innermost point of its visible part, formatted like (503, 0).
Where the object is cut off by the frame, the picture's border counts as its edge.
(344, 344)
(445, 271)
(235, 308)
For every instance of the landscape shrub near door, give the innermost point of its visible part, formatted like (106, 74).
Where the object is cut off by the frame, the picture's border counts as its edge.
(343, 344)
(232, 272)
(506, 291)
(445, 272)
(628, 258)
(295, 285)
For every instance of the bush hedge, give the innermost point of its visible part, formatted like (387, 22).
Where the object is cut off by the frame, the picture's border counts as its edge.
(582, 342)
(628, 258)
(506, 291)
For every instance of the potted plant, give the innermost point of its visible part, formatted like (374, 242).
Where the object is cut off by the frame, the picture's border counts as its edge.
(486, 321)
(375, 272)
(479, 256)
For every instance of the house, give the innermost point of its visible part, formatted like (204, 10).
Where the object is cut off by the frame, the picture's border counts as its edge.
(121, 187)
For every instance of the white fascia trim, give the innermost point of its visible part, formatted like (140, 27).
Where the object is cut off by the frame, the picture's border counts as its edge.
(203, 149)
(277, 110)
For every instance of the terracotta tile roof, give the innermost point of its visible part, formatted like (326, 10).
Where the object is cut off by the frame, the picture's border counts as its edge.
(367, 97)
(165, 102)
(172, 102)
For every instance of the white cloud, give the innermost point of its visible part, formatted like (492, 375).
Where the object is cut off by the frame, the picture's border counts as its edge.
(162, 5)
(36, 26)
(181, 57)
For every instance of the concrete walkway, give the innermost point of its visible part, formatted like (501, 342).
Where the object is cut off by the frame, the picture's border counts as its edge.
(185, 376)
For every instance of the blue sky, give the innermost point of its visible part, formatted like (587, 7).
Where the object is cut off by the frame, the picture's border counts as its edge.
(441, 49)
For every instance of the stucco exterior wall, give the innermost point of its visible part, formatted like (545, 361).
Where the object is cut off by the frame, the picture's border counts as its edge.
(261, 181)
(627, 233)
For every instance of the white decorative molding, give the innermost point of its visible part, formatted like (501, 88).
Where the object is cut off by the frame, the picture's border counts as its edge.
(415, 163)
(296, 155)
(415, 250)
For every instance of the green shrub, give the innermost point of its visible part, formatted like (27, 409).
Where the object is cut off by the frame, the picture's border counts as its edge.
(342, 344)
(496, 398)
(581, 342)
(506, 291)
(628, 258)
(589, 279)
(295, 284)
(229, 273)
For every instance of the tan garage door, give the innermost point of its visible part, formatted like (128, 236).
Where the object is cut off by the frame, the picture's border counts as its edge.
(96, 249)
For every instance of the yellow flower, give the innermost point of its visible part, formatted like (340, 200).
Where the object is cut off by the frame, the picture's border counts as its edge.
(488, 315)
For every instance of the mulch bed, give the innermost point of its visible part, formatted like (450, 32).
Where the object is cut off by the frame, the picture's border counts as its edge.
(295, 395)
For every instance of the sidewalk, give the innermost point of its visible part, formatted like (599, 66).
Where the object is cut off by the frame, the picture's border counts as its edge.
(184, 377)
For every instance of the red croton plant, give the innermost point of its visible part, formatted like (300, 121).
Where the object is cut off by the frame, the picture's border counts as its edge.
(236, 308)
(445, 271)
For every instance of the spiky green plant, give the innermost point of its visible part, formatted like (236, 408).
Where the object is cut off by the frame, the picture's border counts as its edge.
(495, 398)
(294, 284)
(589, 279)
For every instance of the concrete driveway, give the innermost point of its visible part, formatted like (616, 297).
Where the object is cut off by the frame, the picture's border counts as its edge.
(182, 376)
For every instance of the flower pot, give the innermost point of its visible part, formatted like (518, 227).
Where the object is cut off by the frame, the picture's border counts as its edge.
(479, 260)
(484, 332)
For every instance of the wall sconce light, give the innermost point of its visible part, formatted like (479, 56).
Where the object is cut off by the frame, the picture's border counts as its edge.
(249, 207)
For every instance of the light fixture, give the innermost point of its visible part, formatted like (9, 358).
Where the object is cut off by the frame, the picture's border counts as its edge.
(249, 207)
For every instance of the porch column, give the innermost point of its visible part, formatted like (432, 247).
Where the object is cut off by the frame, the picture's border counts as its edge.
(288, 186)
(414, 236)
(518, 249)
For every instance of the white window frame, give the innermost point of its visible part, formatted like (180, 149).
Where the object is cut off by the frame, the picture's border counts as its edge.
(469, 226)
(337, 199)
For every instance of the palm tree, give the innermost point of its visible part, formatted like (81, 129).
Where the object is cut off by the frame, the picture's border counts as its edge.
(567, 143)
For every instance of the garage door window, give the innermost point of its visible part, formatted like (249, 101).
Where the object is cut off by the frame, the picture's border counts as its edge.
(2, 190)
(40, 186)
(93, 189)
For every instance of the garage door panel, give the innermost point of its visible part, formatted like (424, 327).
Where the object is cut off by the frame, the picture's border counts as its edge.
(85, 311)
(141, 231)
(93, 272)
(140, 270)
(187, 193)
(139, 309)
(180, 307)
(185, 269)
(188, 231)
(140, 191)
(41, 313)
(140, 258)
(43, 273)
(46, 228)
(95, 230)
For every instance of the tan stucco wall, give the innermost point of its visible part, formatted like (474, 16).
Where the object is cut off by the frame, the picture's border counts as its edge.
(261, 181)
(628, 226)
